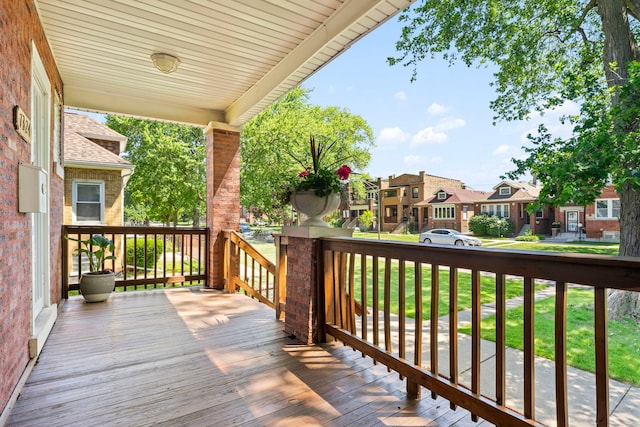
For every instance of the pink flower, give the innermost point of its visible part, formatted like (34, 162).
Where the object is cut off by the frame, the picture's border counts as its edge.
(303, 174)
(343, 172)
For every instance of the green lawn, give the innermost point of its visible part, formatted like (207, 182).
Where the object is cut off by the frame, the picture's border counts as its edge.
(624, 337)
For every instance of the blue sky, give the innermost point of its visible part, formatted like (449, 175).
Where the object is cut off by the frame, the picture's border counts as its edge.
(440, 124)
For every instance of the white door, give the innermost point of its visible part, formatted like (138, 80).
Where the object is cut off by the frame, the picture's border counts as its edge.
(572, 221)
(40, 119)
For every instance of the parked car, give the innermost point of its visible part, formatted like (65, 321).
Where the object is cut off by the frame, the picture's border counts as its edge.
(245, 229)
(446, 236)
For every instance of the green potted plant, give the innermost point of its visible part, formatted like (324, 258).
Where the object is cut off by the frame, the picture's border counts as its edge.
(316, 189)
(98, 283)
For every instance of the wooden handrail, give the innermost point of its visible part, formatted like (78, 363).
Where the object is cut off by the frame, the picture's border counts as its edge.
(340, 255)
(186, 244)
(248, 270)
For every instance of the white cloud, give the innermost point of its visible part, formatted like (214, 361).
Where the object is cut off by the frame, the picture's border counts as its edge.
(449, 123)
(428, 135)
(400, 96)
(436, 109)
(502, 150)
(393, 136)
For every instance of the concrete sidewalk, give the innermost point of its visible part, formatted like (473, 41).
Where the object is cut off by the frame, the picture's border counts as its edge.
(624, 399)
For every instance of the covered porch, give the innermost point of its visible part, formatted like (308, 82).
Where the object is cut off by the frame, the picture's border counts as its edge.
(198, 357)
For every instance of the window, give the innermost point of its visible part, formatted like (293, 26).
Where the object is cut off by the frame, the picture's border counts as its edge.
(414, 193)
(444, 212)
(88, 201)
(505, 191)
(608, 209)
(501, 211)
(442, 195)
(539, 214)
(390, 193)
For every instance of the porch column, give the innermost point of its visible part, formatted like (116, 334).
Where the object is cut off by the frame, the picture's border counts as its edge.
(302, 310)
(223, 193)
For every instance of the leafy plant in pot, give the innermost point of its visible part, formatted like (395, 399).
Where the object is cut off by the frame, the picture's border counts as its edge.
(97, 285)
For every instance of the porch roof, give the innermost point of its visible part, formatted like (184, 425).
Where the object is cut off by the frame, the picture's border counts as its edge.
(236, 57)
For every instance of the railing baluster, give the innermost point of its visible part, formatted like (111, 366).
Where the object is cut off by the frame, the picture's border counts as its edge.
(602, 357)
(501, 366)
(413, 388)
(387, 304)
(352, 295)
(376, 302)
(529, 350)
(363, 296)
(453, 328)
(476, 317)
(433, 316)
(562, 410)
(401, 310)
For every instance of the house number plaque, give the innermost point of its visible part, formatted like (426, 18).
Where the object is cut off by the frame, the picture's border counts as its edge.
(22, 124)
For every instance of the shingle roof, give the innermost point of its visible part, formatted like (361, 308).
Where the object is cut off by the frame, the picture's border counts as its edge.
(78, 147)
(456, 195)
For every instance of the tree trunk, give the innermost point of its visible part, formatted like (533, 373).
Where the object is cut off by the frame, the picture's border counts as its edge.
(624, 304)
(620, 48)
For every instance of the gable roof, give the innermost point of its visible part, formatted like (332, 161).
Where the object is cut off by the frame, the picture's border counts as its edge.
(455, 195)
(519, 191)
(81, 151)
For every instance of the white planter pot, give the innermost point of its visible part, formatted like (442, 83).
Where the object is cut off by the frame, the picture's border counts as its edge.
(314, 207)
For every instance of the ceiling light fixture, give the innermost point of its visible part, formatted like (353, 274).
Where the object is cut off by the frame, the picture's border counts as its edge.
(165, 62)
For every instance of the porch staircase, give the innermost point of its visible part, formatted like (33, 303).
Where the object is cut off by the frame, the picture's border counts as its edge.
(525, 229)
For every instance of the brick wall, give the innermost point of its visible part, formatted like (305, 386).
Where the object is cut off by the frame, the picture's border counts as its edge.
(223, 195)
(301, 309)
(19, 25)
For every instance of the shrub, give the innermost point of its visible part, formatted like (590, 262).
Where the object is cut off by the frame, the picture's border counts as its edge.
(528, 238)
(154, 249)
(478, 224)
(484, 225)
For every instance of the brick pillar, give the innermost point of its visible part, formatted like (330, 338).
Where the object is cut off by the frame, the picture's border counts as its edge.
(223, 192)
(301, 309)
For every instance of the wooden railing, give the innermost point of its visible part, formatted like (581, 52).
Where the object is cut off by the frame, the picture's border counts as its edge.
(146, 257)
(247, 270)
(397, 341)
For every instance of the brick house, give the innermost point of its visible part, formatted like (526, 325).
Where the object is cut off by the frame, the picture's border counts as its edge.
(44, 67)
(402, 194)
(599, 220)
(451, 208)
(510, 200)
(95, 175)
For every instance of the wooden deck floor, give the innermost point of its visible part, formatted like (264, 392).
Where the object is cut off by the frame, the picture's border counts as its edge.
(201, 358)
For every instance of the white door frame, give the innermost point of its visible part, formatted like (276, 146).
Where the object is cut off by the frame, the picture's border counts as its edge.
(40, 227)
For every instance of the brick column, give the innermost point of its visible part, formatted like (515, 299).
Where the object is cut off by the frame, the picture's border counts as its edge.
(301, 312)
(223, 193)
(301, 308)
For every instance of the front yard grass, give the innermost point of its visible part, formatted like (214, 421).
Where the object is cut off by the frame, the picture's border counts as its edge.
(624, 336)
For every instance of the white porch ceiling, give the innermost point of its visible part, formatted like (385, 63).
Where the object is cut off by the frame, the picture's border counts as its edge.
(237, 56)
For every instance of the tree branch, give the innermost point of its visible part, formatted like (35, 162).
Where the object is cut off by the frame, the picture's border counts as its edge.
(633, 8)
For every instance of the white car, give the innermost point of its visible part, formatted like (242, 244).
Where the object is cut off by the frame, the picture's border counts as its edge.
(446, 236)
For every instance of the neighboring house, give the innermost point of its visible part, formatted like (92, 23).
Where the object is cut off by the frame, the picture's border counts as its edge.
(600, 220)
(510, 200)
(354, 206)
(94, 173)
(402, 194)
(451, 208)
(94, 176)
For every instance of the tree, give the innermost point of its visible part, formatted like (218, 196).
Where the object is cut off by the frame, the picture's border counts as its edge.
(547, 53)
(169, 176)
(271, 141)
(366, 219)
